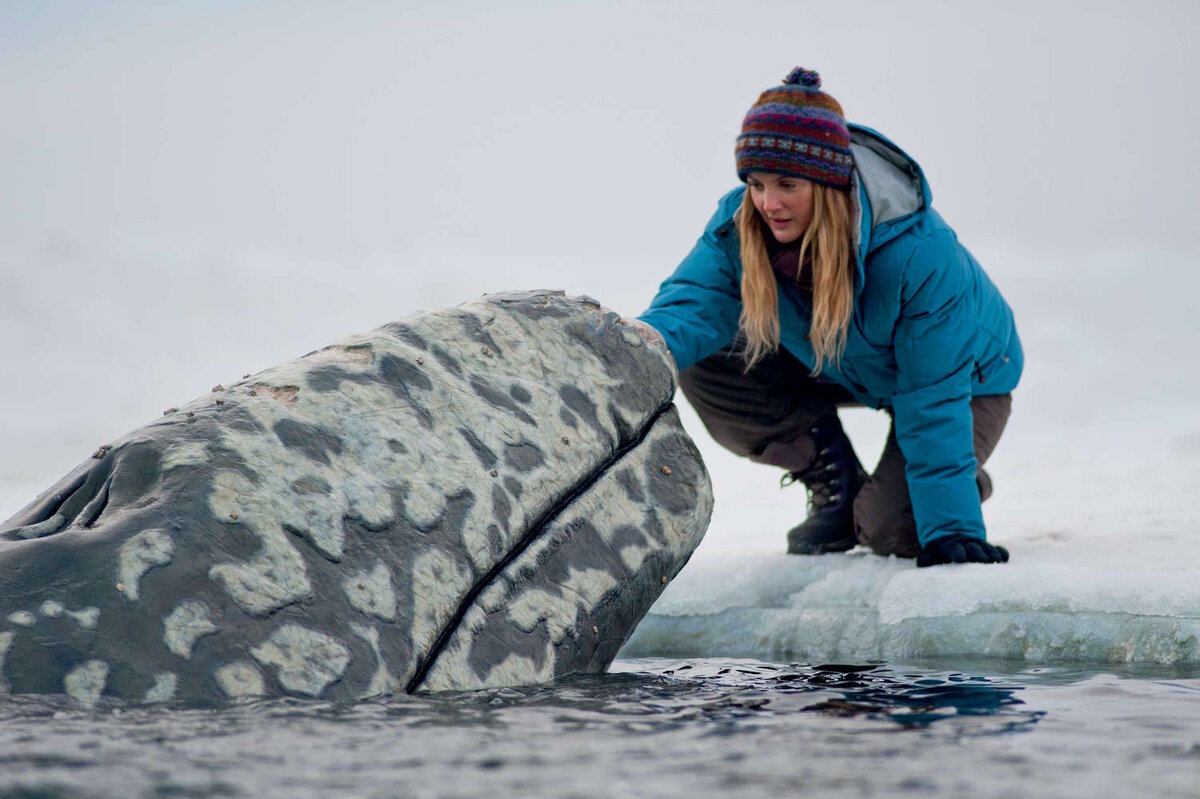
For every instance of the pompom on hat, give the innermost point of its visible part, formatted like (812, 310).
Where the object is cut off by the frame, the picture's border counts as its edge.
(795, 129)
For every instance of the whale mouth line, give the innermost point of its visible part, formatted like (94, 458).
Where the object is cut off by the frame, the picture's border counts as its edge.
(531, 535)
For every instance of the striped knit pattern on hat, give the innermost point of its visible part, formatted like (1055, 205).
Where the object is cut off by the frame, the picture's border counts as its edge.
(795, 129)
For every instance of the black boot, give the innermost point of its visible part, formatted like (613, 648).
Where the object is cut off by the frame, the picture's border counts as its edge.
(833, 480)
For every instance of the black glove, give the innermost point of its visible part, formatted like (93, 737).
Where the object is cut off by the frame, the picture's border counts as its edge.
(959, 548)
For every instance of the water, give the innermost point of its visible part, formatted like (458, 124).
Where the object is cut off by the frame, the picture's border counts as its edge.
(652, 727)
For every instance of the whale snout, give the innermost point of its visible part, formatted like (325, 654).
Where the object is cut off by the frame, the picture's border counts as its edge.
(490, 494)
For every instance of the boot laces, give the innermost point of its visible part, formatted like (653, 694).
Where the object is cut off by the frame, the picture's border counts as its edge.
(822, 478)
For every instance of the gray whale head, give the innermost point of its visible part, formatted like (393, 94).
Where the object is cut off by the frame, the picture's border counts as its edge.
(491, 494)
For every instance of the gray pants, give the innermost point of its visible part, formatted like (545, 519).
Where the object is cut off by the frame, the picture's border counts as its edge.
(765, 415)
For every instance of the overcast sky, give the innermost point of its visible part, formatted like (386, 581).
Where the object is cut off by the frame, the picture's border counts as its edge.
(192, 190)
(539, 127)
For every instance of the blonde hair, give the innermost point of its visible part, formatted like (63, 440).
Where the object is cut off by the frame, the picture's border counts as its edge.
(828, 241)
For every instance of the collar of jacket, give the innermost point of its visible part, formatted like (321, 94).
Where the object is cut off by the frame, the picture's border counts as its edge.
(888, 192)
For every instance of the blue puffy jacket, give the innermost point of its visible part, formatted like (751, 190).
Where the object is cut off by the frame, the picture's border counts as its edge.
(929, 329)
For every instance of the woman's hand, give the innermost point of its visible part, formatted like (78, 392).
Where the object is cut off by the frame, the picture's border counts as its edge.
(648, 333)
(655, 339)
(959, 548)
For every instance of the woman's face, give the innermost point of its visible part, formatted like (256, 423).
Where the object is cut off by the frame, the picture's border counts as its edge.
(785, 203)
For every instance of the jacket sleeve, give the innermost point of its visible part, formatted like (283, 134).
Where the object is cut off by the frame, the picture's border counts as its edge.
(934, 359)
(696, 309)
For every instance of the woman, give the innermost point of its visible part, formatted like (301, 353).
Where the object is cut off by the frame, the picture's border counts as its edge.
(829, 280)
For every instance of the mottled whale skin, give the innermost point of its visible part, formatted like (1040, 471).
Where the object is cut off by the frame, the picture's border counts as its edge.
(491, 494)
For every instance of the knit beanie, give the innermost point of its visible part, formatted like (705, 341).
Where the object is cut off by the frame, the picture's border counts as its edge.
(796, 129)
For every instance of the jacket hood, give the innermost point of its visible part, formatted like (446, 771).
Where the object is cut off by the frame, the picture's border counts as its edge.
(889, 190)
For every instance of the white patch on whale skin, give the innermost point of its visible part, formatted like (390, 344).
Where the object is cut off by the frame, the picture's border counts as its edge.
(382, 682)
(85, 617)
(424, 504)
(439, 581)
(86, 682)
(185, 453)
(275, 577)
(580, 592)
(356, 490)
(372, 592)
(307, 660)
(265, 584)
(454, 673)
(521, 670)
(229, 489)
(22, 618)
(163, 689)
(313, 517)
(633, 556)
(184, 625)
(138, 555)
(368, 500)
(240, 680)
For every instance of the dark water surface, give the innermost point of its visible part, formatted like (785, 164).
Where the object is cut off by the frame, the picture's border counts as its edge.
(652, 727)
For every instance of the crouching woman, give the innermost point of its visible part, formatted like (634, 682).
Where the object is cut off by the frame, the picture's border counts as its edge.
(828, 280)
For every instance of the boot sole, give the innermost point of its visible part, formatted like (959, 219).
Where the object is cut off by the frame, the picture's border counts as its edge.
(822, 547)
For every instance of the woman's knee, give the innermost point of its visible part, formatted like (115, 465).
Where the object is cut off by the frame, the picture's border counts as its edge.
(989, 418)
(743, 411)
(885, 525)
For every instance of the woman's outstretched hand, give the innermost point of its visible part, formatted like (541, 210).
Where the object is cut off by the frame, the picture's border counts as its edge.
(655, 339)
(959, 548)
(648, 333)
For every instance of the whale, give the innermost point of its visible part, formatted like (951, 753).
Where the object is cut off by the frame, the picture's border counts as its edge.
(490, 494)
